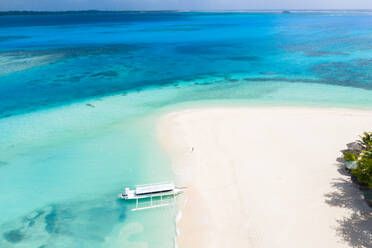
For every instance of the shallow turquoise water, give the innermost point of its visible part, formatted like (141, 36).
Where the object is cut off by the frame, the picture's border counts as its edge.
(81, 94)
(59, 181)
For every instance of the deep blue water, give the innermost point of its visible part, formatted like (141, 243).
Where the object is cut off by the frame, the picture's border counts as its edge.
(50, 60)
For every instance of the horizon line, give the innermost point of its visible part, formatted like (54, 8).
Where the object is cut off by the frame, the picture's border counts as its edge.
(182, 10)
(88, 11)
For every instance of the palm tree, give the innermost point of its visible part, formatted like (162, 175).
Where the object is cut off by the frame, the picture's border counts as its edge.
(366, 141)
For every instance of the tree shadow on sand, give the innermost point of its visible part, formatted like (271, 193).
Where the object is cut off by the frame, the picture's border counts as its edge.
(355, 229)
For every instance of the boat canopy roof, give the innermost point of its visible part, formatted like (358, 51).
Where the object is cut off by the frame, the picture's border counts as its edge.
(146, 189)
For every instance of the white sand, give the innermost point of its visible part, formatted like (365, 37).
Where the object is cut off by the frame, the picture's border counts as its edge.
(266, 177)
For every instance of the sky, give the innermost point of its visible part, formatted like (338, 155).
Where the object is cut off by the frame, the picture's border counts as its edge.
(48, 5)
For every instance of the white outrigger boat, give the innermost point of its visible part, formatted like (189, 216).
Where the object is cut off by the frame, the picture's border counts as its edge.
(152, 195)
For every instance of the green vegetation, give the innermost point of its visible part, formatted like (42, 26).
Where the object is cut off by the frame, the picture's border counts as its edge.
(363, 171)
(349, 156)
(366, 141)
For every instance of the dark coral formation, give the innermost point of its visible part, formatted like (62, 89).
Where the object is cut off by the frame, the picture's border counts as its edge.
(13, 236)
(74, 222)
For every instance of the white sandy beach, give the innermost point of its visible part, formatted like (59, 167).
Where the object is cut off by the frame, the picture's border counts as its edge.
(266, 177)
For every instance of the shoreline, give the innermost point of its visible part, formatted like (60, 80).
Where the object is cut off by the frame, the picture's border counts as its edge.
(246, 188)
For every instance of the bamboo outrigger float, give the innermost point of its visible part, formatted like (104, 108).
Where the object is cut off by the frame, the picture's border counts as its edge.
(152, 195)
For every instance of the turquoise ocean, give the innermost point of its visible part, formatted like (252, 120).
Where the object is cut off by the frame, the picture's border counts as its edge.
(81, 93)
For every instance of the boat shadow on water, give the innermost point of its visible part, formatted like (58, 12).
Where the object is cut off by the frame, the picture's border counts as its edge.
(355, 229)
